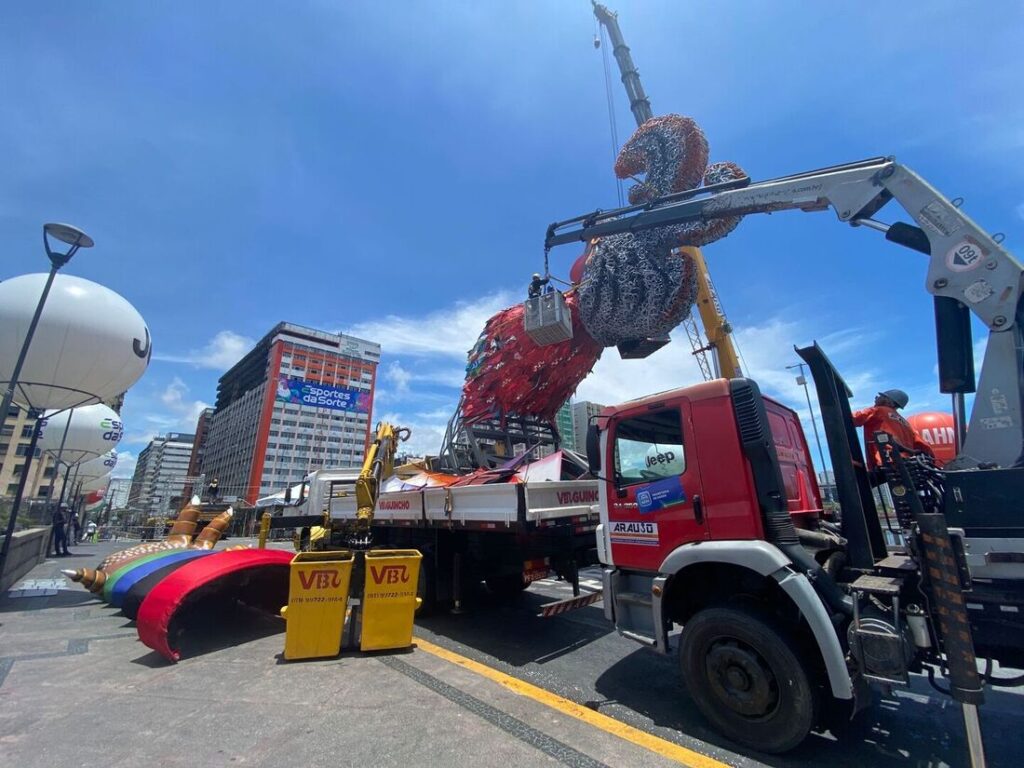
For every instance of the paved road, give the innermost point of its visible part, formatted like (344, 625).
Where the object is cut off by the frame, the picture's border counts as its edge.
(578, 656)
(75, 684)
(77, 688)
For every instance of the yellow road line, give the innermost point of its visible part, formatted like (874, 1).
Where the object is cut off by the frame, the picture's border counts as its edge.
(610, 725)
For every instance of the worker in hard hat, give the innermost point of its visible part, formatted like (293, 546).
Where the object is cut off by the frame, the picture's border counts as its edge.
(537, 285)
(884, 416)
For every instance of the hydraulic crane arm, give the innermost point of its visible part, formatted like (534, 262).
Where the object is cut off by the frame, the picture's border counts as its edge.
(957, 246)
(378, 464)
(966, 264)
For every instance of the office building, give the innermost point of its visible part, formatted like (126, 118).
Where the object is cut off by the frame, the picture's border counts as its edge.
(582, 412)
(117, 492)
(15, 436)
(195, 462)
(161, 473)
(299, 401)
(564, 422)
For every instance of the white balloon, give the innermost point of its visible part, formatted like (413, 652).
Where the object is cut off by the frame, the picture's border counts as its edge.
(91, 430)
(101, 466)
(96, 485)
(94, 500)
(90, 344)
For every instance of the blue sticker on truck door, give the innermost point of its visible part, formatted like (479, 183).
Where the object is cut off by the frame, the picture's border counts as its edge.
(660, 494)
(644, 534)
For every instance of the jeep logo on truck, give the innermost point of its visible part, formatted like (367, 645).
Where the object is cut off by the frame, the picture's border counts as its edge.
(319, 579)
(389, 574)
(656, 459)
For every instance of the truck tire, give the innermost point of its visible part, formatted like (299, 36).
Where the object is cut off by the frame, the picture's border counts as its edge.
(741, 671)
(426, 586)
(507, 587)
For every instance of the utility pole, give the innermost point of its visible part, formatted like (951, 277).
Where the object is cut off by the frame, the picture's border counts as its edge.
(802, 381)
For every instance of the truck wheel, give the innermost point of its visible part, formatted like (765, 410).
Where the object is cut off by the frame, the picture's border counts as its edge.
(507, 587)
(740, 669)
(426, 587)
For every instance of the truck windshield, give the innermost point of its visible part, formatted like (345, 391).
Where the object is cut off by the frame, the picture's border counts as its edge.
(649, 447)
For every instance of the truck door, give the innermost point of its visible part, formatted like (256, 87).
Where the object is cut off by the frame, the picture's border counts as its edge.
(654, 498)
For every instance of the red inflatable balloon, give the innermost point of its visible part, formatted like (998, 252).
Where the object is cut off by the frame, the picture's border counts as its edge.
(936, 429)
(576, 271)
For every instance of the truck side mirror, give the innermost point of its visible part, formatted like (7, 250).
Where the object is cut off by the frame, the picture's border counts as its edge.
(594, 449)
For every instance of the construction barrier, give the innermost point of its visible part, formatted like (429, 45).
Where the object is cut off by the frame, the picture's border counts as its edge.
(389, 598)
(317, 600)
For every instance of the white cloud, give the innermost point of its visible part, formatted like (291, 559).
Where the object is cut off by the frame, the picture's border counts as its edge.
(446, 335)
(126, 461)
(427, 430)
(220, 353)
(182, 412)
(448, 332)
(396, 375)
(766, 351)
(980, 346)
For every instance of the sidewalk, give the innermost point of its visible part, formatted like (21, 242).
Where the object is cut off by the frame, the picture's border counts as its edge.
(78, 689)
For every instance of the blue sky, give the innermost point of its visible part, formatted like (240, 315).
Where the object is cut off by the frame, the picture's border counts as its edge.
(389, 169)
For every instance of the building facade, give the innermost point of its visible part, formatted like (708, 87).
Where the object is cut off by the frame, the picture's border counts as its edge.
(161, 473)
(299, 401)
(582, 412)
(15, 436)
(117, 492)
(564, 422)
(195, 462)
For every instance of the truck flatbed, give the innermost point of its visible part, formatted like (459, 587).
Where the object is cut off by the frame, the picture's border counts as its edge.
(499, 506)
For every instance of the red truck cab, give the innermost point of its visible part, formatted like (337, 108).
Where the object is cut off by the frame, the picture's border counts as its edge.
(675, 473)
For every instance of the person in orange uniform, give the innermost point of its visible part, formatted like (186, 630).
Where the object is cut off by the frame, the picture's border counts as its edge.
(883, 416)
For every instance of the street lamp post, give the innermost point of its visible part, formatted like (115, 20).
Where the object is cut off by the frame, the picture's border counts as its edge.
(802, 380)
(75, 238)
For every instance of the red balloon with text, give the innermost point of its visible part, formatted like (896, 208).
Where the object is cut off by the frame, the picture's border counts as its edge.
(936, 429)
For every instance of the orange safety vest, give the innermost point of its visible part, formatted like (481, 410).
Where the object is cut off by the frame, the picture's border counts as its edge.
(882, 418)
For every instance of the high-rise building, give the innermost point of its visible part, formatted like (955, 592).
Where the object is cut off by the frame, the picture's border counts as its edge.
(117, 492)
(299, 401)
(195, 462)
(582, 412)
(160, 475)
(564, 422)
(15, 436)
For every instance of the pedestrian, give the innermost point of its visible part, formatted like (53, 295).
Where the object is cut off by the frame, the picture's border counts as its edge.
(213, 490)
(76, 527)
(883, 416)
(60, 534)
(91, 531)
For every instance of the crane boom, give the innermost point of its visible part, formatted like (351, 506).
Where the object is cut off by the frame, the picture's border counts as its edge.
(378, 464)
(712, 317)
(966, 265)
(638, 102)
(724, 358)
